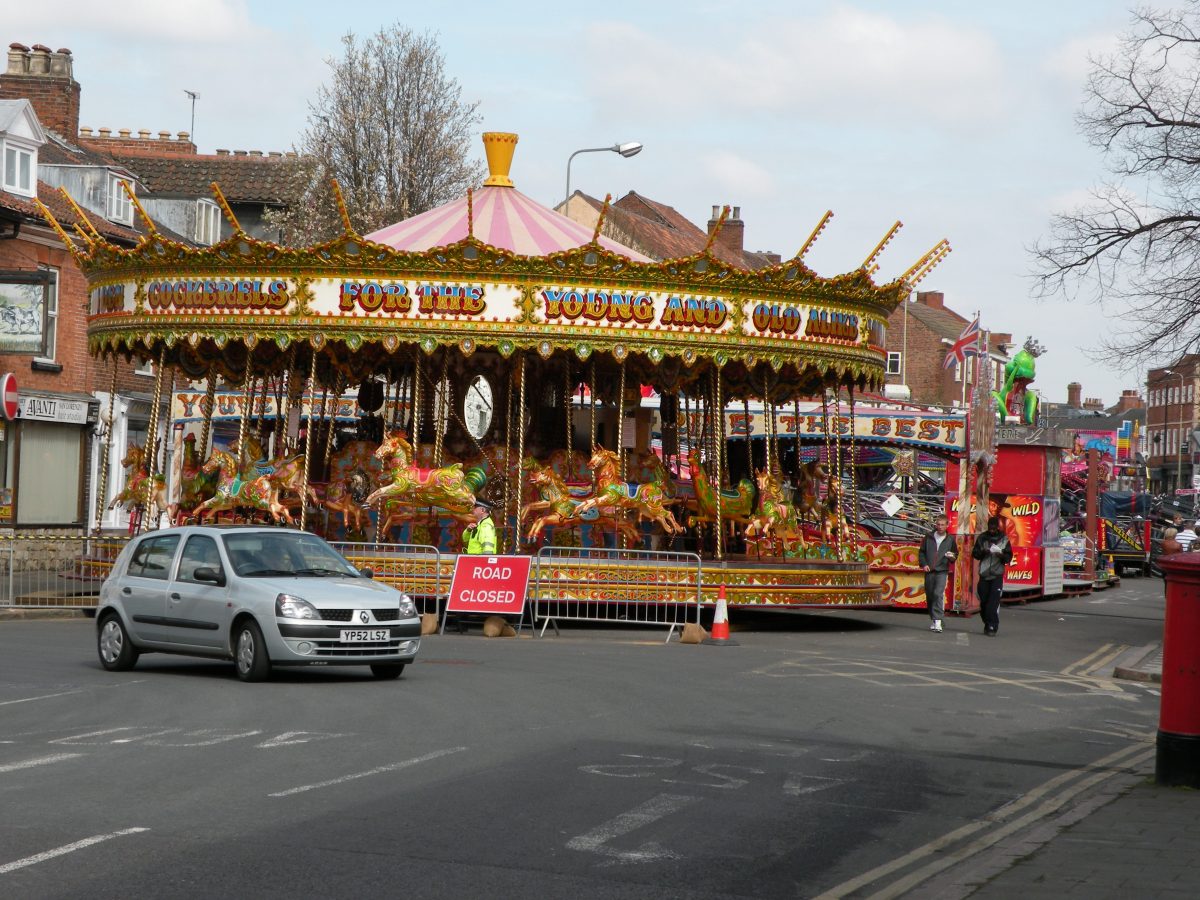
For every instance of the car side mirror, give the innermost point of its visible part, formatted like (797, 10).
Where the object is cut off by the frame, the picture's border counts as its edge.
(209, 575)
(367, 572)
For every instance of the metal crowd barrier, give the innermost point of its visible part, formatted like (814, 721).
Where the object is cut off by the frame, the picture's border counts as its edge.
(55, 571)
(415, 569)
(626, 587)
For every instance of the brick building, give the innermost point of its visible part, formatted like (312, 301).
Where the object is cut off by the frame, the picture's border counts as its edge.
(1171, 424)
(920, 334)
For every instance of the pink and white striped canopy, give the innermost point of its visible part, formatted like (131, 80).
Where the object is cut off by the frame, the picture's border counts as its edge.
(505, 218)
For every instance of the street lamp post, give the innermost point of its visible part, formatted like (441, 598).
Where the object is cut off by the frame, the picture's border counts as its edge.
(628, 149)
(1179, 449)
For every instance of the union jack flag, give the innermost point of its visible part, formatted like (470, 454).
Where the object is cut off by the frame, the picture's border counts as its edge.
(966, 345)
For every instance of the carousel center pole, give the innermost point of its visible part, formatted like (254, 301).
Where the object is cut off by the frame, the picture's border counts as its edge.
(207, 407)
(308, 441)
(106, 450)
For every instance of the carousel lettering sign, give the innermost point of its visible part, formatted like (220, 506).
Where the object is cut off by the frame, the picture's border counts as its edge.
(941, 432)
(187, 295)
(585, 306)
(398, 297)
(108, 299)
(802, 323)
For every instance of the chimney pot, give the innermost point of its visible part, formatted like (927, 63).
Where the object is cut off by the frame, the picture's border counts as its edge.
(60, 64)
(39, 60)
(42, 48)
(716, 211)
(164, 135)
(737, 213)
(239, 152)
(222, 152)
(124, 132)
(17, 46)
(256, 153)
(85, 131)
(105, 132)
(143, 134)
(64, 51)
(275, 153)
(183, 136)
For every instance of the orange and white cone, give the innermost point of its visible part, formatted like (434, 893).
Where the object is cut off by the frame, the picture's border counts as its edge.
(720, 626)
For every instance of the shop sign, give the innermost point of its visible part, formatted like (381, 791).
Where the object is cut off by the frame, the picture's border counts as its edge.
(53, 409)
(489, 584)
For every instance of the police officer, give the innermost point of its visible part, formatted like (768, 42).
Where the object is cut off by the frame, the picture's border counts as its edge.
(481, 537)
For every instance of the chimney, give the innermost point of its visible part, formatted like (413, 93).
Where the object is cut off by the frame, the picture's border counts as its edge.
(1074, 395)
(932, 299)
(1093, 404)
(1130, 399)
(44, 78)
(733, 233)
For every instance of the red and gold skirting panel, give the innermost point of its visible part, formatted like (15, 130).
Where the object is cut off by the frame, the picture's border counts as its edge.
(894, 569)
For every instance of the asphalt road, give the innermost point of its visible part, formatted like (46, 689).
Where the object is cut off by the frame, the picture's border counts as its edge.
(845, 754)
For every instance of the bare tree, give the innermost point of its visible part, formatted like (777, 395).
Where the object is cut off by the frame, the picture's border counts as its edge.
(391, 127)
(1135, 246)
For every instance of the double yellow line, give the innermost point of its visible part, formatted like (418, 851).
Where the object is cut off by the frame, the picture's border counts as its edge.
(1095, 660)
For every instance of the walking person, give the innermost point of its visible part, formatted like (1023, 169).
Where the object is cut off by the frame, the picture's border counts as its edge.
(935, 557)
(1187, 536)
(994, 552)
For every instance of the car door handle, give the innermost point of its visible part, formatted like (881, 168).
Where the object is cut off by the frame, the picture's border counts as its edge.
(126, 591)
(176, 597)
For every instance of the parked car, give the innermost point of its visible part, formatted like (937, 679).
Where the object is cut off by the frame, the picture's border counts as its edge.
(258, 596)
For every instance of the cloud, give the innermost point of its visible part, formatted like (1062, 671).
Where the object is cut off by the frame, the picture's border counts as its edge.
(737, 175)
(848, 64)
(1070, 61)
(173, 21)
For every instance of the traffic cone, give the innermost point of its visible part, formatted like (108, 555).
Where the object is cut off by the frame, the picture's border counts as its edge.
(720, 628)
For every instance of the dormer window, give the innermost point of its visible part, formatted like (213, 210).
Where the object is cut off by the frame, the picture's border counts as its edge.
(19, 168)
(120, 210)
(208, 222)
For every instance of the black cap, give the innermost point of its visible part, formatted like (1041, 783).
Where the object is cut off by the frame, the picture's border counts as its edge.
(479, 501)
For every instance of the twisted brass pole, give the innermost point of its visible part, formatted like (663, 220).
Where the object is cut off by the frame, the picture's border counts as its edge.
(308, 441)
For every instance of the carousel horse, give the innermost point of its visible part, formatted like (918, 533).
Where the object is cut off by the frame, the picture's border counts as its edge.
(140, 490)
(447, 488)
(195, 485)
(775, 520)
(287, 474)
(235, 492)
(562, 510)
(353, 470)
(833, 520)
(648, 466)
(647, 500)
(736, 505)
(807, 495)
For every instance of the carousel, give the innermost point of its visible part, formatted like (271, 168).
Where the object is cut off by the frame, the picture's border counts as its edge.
(371, 387)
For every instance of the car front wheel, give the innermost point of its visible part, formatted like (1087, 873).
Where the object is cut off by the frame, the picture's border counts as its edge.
(250, 653)
(387, 671)
(117, 653)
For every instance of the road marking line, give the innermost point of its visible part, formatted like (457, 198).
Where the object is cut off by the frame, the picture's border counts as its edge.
(378, 771)
(42, 697)
(596, 840)
(39, 761)
(88, 734)
(988, 821)
(1106, 659)
(66, 848)
(1080, 663)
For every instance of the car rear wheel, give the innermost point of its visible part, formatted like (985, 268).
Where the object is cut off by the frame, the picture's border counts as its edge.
(117, 653)
(250, 653)
(387, 671)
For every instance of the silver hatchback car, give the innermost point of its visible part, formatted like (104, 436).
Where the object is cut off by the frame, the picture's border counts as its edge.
(258, 596)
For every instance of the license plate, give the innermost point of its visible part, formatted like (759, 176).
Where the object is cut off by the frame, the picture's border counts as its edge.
(364, 635)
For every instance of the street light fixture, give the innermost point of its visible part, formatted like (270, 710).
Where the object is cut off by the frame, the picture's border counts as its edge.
(628, 149)
(1179, 449)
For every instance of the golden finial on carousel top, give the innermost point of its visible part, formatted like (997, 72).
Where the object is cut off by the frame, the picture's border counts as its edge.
(499, 147)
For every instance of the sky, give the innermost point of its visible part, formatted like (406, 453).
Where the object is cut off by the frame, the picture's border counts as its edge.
(955, 118)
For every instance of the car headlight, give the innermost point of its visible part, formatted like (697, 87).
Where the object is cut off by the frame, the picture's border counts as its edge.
(290, 607)
(408, 609)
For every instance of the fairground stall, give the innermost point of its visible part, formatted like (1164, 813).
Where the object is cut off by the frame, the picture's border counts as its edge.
(373, 386)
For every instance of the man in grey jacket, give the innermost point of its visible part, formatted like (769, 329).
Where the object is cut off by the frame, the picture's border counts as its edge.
(935, 557)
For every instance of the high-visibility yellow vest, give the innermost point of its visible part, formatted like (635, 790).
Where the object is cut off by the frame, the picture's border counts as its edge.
(481, 538)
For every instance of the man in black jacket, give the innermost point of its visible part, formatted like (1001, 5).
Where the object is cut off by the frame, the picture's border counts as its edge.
(994, 552)
(935, 558)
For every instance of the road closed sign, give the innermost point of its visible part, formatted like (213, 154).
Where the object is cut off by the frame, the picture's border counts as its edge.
(489, 584)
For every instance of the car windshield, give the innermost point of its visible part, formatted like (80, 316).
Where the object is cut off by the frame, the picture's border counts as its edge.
(263, 554)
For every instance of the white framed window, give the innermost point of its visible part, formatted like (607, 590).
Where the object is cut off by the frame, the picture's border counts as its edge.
(120, 210)
(20, 170)
(893, 363)
(208, 222)
(50, 317)
(145, 366)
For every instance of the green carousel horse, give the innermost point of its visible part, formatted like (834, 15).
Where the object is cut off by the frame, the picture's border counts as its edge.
(259, 494)
(407, 486)
(561, 510)
(775, 523)
(736, 505)
(648, 501)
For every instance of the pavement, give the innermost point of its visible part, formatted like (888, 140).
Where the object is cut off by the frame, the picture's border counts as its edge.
(1128, 837)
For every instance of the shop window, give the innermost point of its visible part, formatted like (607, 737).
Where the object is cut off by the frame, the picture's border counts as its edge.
(50, 317)
(49, 481)
(893, 363)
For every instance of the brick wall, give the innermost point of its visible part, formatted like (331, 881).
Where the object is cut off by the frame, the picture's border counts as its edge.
(126, 141)
(71, 352)
(926, 379)
(45, 79)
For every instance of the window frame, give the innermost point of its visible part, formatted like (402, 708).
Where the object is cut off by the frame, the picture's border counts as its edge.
(208, 222)
(49, 317)
(120, 207)
(19, 154)
(896, 357)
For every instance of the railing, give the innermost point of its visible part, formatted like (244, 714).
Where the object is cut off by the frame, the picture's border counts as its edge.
(55, 571)
(626, 587)
(415, 569)
(911, 522)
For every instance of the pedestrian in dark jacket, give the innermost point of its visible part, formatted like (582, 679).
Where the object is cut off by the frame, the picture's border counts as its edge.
(994, 552)
(937, 554)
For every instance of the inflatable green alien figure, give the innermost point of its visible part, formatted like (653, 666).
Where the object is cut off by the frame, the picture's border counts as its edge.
(1014, 401)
